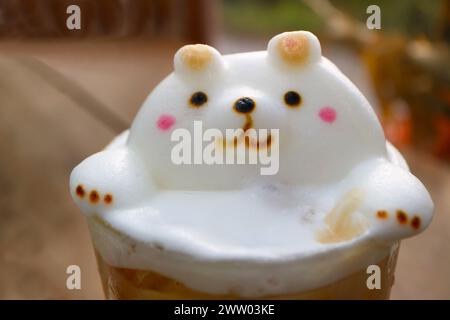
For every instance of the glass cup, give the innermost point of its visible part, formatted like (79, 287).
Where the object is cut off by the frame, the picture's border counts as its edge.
(127, 283)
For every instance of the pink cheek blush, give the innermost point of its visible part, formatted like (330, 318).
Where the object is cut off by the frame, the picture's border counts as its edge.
(327, 114)
(165, 122)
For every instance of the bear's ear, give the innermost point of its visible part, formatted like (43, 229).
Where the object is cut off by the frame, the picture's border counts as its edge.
(295, 48)
(197, 59)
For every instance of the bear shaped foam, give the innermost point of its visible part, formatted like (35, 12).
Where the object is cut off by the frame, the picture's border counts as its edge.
(339, 182)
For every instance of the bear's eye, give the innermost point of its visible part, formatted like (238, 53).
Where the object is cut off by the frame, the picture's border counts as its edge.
(198, 99)
(292, 99)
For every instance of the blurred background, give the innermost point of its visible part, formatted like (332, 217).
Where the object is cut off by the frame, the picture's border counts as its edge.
(64, 94)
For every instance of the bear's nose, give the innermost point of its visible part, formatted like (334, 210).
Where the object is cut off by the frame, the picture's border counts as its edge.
(244, 105)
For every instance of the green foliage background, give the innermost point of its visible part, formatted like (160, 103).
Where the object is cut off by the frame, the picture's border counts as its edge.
(409, 17)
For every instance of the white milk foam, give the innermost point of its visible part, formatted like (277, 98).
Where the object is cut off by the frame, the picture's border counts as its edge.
(342, 199)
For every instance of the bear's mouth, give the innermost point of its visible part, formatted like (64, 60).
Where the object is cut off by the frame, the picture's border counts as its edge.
(248, 139)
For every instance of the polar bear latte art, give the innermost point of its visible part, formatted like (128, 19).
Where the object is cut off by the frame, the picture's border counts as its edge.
(340, 186)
